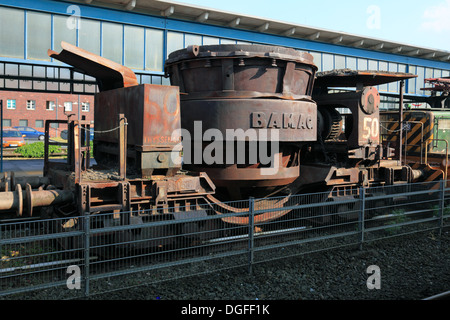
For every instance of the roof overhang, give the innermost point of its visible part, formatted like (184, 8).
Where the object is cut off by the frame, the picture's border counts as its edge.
(178, 10)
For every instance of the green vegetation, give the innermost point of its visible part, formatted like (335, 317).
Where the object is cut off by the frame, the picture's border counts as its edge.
(437, 210)
(36, 150)
(399, 217)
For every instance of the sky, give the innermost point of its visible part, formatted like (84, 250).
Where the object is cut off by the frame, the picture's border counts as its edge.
(424, 23)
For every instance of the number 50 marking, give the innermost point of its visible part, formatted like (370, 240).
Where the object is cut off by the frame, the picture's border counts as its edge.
(371, 128)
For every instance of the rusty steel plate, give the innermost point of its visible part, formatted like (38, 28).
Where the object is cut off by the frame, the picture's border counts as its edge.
(109, 74)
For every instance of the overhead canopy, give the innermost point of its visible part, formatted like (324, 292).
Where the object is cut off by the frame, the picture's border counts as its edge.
(352, 78)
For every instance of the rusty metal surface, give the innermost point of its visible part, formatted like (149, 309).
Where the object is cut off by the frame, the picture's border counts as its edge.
(353, 78)
(260, 218)
(224, 87)
(249, 177)
(241, 71)
(363, 128)
(152, 113)
(109, 74)
(153, 121)
(24, 200)
(293, 120)
(251, 88)
(438, 84)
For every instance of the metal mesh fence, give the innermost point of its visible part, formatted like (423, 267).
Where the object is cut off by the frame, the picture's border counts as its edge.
(33, 256)
(93, 254)
(403, 209)
(314, 222)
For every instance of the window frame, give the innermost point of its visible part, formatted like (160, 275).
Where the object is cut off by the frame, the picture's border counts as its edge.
(83, 107)
(31, 104)
(9, 105)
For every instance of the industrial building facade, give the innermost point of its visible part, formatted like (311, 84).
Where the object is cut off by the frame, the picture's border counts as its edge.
(141, 34)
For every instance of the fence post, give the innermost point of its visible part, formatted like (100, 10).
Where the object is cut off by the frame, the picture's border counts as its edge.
(442, 205)
(251, 228)
(362, 208)
(87, 234)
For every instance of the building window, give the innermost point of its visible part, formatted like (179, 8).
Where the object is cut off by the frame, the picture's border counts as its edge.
(175, 41)
(50, 105)
(412, 82)
(39, 124)
(10, 104)
(420, 80)
(328, 62)
(31, 105)
(373, 65)
(134, 47)
(6, 122)
(12, 21)
(23, 122)
(89, 35)
(85, 106)
(154, 50)
(382, 66)
(362, 64)
(351, 63)
(39, 33)
(112, 36)
(227, 41)
(317, 56)
(61, 31)
(193, 39)
(339, 62)
(67, 106)
(210, 41)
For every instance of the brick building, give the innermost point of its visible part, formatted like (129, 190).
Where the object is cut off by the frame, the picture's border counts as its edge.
(32, 108)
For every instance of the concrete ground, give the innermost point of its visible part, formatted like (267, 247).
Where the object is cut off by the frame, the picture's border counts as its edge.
(24, 167)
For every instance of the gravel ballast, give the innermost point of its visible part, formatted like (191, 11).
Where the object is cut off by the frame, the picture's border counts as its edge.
(411, 267)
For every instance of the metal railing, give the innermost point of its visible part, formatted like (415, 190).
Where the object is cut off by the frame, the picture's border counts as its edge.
(85, 255)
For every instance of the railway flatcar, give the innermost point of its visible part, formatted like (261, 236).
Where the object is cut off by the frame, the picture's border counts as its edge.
(237, 121)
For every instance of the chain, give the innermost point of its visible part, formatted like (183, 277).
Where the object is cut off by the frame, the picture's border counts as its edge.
(105, 131)
(398, 130)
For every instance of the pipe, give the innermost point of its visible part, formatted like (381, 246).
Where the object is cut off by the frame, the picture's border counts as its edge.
(48, 197)
(9, 183)
(15, 200)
